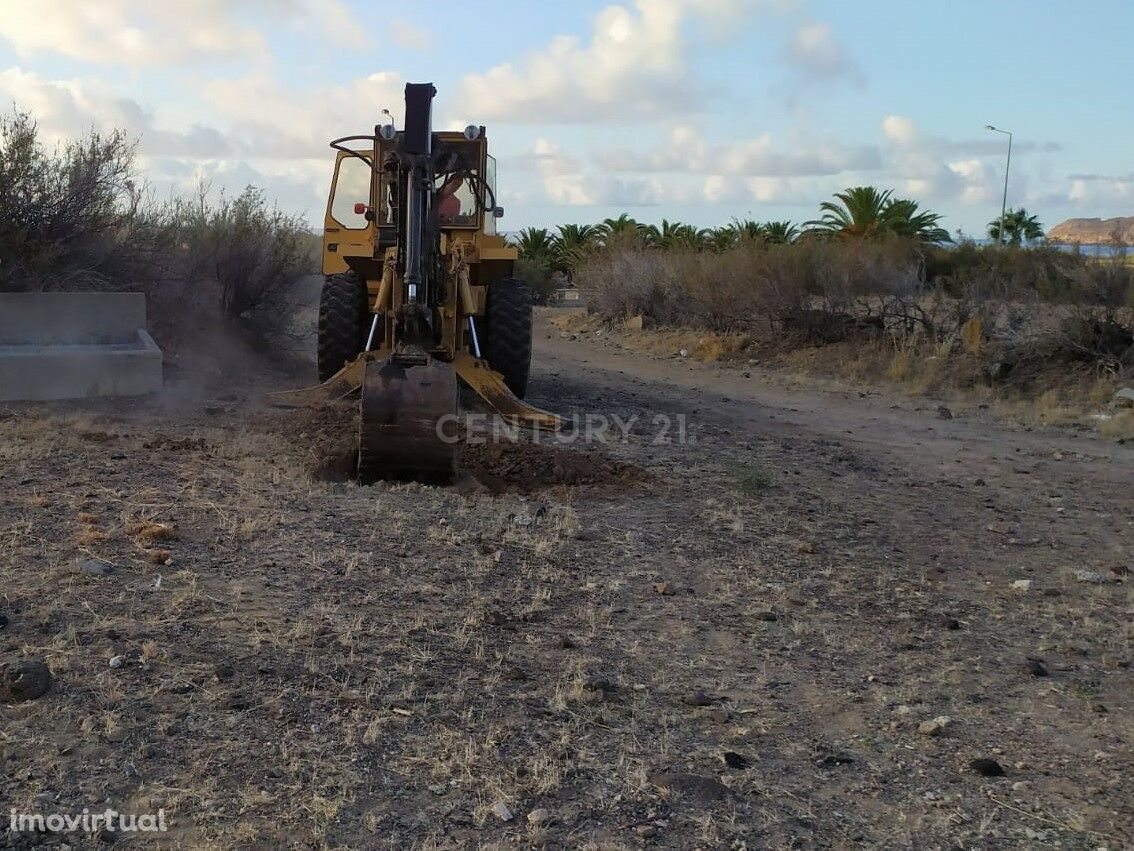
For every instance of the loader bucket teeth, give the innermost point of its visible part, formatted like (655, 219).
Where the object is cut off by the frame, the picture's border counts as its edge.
(407, 423)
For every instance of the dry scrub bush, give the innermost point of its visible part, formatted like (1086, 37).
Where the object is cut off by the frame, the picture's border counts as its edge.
(822, 291)
(1038, 303)
(75, 219)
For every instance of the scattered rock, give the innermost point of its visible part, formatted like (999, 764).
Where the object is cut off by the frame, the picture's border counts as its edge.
(935, 726)
(501, 811)
(94, 567)
(768, 617)
(987, 767)
(118, 735)
(646, 831)
(539, 816)
(702, 790)
(734, 760)
(1124, 398)
(1022, 585)
(697, 698)
(683, 353)
(1037, 668)
(944, 413)
(1091, 576)
(438, 788)
(20, 681)
(719, 716)
(117, 661)
(805, 549)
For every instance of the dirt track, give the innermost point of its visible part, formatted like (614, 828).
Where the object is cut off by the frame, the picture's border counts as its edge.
(735, 648)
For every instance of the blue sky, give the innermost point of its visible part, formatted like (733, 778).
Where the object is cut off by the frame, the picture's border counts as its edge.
(698, 110)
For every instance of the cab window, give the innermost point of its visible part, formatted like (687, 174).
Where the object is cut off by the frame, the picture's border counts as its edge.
(352, 186)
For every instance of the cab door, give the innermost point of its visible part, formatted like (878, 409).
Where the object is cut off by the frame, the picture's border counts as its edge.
(347, 233)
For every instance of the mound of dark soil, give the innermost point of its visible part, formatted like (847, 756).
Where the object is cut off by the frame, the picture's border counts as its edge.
(532, 467)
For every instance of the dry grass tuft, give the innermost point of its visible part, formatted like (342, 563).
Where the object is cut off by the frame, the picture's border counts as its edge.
(150, 532)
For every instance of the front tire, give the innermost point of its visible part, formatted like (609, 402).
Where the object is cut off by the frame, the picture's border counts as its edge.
(343, 318)
(508, 337)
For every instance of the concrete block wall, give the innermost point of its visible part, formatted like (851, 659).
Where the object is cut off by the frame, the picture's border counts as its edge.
(76, 346)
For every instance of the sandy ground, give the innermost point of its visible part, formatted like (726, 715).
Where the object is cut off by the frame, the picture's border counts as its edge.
(736, 633)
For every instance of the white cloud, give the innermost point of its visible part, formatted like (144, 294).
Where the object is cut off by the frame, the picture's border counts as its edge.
(64, 109)
(815, 50)
(899, 130)
(634, 66)
(688, 152)
(148, 33)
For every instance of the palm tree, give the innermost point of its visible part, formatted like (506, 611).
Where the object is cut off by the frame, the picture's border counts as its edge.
(865, 211)
(747, 230)
(536, 244)
(672, 235)
(621, 226)
(904, 219)
(722, 239)
(1018, 227)
(779, 233)
(861, 213)
(572, 244)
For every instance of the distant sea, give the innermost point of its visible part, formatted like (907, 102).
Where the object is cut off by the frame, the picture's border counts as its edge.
(1085, 250)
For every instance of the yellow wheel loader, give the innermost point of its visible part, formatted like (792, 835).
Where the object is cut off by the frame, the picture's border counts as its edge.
(419, 293)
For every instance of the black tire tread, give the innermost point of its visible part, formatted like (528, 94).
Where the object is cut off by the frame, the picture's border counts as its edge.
(508, 337)
(343, 314)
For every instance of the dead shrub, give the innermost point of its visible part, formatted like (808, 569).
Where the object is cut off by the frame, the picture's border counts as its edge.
(76, 219)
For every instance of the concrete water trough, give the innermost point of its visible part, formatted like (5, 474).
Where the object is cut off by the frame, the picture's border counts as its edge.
(76, 346)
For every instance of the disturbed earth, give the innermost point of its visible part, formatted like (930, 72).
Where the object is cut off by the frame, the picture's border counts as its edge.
(721, 611)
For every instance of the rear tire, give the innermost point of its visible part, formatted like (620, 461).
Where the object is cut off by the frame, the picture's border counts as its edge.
(508, 332)
(343, 322)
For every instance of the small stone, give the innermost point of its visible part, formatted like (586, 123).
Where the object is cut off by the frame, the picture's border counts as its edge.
(718, 716)
(94, 567)
(438, 788)
(902, 710)
(1022, 585)
(734, 760)
(934, 726)
(118, 735)
(22, 681)
(1091, 576)
(697, 698)
(1020, 786)
(501, 811)
(987, 767)
(1037, 668)
(117, 661)
(944, 413)
(683, 353)
(805, 549)
(950, 623)
(539, 816)
(980, 483)
(646, 831)
(768, 617)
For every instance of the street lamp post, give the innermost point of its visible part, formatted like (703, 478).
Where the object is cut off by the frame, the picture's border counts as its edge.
(1004, 202)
